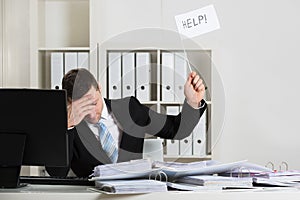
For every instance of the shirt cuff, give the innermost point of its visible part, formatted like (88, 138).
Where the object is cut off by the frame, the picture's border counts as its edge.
(202, 104)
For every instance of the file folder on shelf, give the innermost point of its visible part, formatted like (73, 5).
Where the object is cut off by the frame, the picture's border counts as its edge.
(114, 75)
(128, 77)
(57, 69)
(199, 137)
(70, 61)
(172, 145)
(167, 77)
(180, 76)
(186, 144)
(83, 60)
(143, 76)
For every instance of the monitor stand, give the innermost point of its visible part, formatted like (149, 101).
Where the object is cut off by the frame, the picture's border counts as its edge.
(11, 157)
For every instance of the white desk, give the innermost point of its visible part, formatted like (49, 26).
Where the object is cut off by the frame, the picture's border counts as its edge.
(80, 192)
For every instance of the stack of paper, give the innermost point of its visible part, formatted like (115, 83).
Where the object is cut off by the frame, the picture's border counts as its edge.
(210, 180)
(260, 181)
(131, 186)
(175, 170)
(191, 187)
(124, 170)
(185, 166)
(248, 170)
(281, 179)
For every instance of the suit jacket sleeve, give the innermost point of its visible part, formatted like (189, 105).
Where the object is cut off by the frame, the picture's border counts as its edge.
(168, 126)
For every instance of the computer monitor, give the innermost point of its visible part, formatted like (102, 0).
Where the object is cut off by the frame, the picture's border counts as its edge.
(33, 131)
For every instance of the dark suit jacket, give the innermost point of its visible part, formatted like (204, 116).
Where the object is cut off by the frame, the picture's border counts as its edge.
(134, 120)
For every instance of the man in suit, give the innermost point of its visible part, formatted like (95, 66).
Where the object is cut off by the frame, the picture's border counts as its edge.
(127, 121)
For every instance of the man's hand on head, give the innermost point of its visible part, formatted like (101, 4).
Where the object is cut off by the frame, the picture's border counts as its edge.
(80, 108)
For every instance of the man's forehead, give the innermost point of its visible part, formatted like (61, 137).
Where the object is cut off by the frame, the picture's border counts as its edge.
(93, 91)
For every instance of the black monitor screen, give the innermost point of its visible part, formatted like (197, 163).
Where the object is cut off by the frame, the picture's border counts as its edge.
(41, 115)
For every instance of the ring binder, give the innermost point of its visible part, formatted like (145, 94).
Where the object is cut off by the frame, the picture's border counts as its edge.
(240, 173)
(159, 174)
(285, 164)
(270, 163)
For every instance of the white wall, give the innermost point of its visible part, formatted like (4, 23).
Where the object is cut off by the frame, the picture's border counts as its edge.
(15, 19)
(256, 54)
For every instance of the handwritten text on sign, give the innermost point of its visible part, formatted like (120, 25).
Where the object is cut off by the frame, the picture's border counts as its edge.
(197, 22)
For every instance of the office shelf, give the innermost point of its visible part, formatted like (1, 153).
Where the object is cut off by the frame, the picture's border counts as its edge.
(201, 62)
(65, 49)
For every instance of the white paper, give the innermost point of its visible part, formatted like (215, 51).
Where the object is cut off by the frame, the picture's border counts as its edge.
(197, 22)
(172, 172)
(131, 186)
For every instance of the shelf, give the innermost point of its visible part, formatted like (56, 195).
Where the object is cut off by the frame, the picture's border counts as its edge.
(148, 102)
(157, 101)
(185, 159)
(188, 157)
(170, 103)
(65, 49)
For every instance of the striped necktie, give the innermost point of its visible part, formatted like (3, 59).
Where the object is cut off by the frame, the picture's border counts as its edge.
(108, 143)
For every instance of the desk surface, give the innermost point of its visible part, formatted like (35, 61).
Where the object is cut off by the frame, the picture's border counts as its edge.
(52, 192)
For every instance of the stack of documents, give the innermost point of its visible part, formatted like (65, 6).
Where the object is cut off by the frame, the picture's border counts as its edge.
(124, 170)
(174, 170)
(136, 176)
(280, 179)
(249, 170)
(131, 186)
(211, 180)
(185, 166)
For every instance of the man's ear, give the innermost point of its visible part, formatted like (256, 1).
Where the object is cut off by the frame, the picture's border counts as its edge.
(100, 88)
(69, 100)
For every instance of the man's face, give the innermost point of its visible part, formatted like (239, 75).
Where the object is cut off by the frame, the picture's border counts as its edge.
(98, 103)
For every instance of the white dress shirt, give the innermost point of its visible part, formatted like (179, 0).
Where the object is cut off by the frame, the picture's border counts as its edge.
(108, 120)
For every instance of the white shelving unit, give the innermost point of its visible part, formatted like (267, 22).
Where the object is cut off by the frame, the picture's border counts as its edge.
(200, 60)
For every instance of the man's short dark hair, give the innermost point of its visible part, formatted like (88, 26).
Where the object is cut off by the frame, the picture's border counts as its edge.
(77, 82)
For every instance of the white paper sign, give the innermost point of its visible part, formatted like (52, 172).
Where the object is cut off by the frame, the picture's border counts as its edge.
(197, 22)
